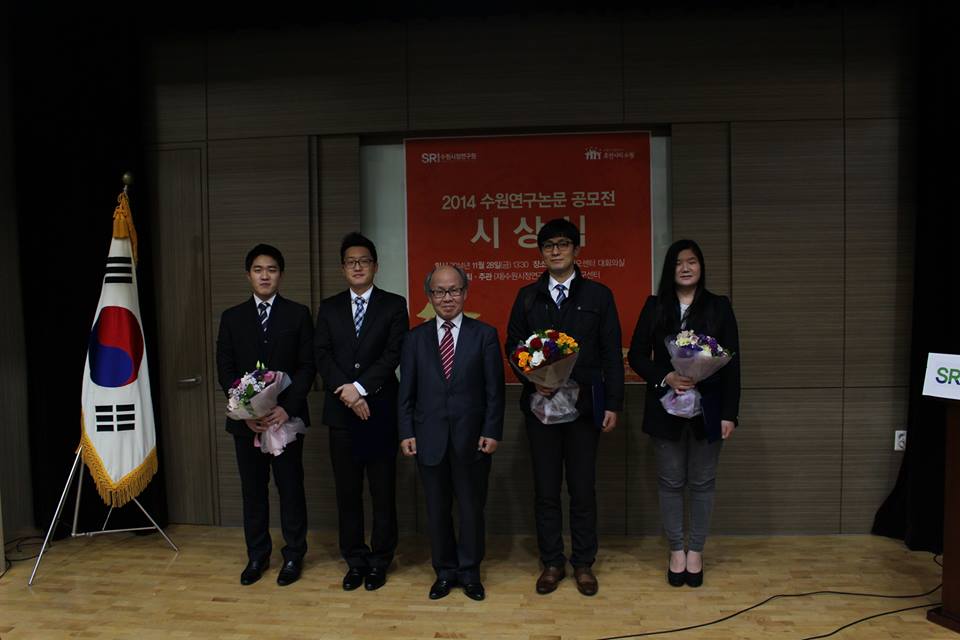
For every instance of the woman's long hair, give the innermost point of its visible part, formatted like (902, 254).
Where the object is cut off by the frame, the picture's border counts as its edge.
(668, 305)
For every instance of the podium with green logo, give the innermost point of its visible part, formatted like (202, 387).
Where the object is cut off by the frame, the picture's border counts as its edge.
(942, 381)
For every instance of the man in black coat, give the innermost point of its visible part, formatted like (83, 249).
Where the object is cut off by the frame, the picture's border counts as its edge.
(359, 335)
(277, 332)
(451, 419)
(585, 310)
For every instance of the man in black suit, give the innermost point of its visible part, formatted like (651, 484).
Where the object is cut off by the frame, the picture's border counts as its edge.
(359, 335)
(277, 332)
(564, 300)
(451, 419)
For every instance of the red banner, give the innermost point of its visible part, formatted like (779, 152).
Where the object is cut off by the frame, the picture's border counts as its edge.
(479, 202)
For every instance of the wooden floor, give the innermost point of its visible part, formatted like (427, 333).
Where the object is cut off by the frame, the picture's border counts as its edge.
(122, 586)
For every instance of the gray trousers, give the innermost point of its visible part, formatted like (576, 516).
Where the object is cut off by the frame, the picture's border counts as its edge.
(690, 463)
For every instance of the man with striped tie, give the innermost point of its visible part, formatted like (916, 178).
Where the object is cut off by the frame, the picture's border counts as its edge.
(359, 335)
(451, 418)
(584, 309)
(277, 332)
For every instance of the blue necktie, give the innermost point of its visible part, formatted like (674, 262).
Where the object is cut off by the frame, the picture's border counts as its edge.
(263, 306)
(561, 296)
(358, 316)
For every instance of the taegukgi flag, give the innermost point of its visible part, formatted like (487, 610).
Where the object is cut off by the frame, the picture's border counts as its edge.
(117, 430)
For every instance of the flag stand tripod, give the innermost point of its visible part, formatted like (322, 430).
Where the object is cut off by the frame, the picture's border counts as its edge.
(77, 464)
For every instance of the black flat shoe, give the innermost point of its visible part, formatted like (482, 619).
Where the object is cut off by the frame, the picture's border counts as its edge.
(676, 578)
(254, 570)
(376, 578)
(353, 579)
(694, 579)
(475, 591)
(441, 589)
(289, 573)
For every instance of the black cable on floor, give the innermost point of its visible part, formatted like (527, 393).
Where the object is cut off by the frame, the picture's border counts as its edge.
(876, 615)
(797, 595)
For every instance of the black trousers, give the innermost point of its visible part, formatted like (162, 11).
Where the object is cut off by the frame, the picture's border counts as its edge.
(467, 481)
(255, 467)
(555, 448)
(348, 473)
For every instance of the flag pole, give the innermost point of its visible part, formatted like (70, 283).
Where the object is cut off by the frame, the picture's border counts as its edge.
(79, 463)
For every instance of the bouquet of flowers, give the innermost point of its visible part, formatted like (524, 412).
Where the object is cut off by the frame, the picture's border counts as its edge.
(697, 357)
(253, 396)
(546, 359)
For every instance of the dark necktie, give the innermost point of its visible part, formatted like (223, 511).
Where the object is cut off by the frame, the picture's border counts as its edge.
(561, 296)
(446, 350)
(263, 306)
(358, 316)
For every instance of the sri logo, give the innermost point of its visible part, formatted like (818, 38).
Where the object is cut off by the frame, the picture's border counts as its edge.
(946, 376)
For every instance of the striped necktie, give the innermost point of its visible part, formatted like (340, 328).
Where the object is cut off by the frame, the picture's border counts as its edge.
(561, 296)
(263, 306)
(446, 350)
(358, 316)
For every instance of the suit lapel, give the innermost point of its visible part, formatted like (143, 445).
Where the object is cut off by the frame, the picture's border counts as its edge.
(464, 343)
(434, 348)
(273, 326)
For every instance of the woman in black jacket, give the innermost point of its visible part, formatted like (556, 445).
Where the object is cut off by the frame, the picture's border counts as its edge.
(686, 449)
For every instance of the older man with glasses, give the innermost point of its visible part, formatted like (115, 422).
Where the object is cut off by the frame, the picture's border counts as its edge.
(451, 419)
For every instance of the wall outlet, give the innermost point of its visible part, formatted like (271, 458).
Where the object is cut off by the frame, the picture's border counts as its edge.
(900, 440)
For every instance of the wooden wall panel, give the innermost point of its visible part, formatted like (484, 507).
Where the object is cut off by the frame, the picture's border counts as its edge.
(186, 442)
(880, 222)
(787, 262)
(175, 90)
(710, 67)
(339, 208)
(333, 79)
(780, 473)
(870, 465)
(643, 511)
(880, 58)
(259, 192)
(511, 71)
(700, 195)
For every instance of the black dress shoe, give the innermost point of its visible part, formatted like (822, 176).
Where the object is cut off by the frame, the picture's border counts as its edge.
(441, 588)
(254, 569)
(676, 578)
(694, 579)
(474, 591)
(354, 578)
(289, 572)
(376, 578)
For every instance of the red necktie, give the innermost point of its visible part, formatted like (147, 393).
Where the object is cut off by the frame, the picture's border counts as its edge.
(446, 350)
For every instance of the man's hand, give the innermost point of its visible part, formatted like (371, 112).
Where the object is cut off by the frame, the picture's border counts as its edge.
(487, 445)
(609, 421)
(545, 391)
(348, 394)
(255, 426)
(408, 446)
(276, 417)
(726, 428)
(678, 382)
(361, 408)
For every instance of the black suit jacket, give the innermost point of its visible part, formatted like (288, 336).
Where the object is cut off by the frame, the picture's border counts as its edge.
(371, 359)
(589, 316)
(287, 346)
(439, 412)
(720, 392)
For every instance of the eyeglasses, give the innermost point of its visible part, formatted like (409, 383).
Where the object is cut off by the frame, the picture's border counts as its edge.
(563, 245)
(440, 294)
(353, 263)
